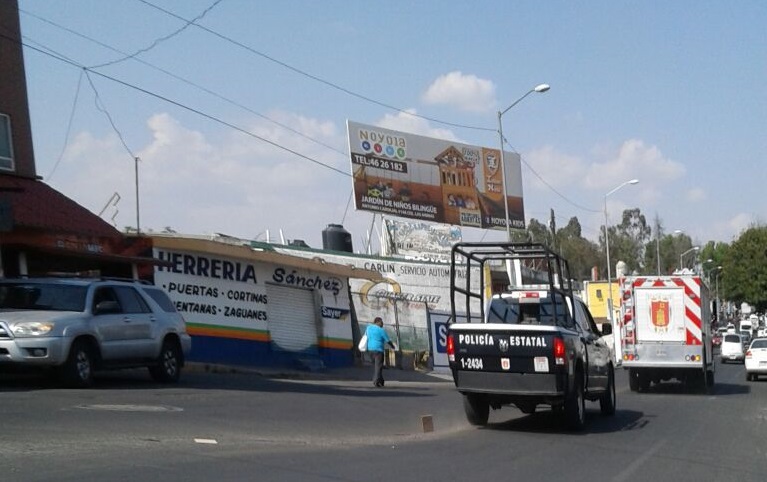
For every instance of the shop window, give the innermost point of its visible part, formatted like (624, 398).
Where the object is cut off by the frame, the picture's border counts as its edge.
(6, 146)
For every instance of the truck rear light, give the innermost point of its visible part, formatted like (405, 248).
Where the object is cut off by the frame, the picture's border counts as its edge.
(450, 347)
(559, 351)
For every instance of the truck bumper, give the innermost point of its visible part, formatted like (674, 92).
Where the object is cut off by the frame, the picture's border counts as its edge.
(529, 384)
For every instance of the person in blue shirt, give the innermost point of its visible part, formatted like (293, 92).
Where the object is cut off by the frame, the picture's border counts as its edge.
(377, 340)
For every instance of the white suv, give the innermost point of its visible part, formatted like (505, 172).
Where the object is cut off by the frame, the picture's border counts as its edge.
(76, 326)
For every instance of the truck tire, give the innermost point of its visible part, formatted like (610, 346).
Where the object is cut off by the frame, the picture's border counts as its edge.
(527, 408)
(77, 371)
(633, 380)
(607, 401)
(477, 409)
(575, 406)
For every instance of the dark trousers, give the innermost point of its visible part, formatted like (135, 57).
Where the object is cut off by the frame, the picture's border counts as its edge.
(378, 360)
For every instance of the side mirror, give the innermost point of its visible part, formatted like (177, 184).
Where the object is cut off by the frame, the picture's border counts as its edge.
(607, 329)
(106, 307)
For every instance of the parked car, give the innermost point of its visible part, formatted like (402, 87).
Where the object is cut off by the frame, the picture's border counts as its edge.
(732, 348)
(756, 359)
(75, 326)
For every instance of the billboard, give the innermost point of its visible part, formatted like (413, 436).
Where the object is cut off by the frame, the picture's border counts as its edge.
(419, 240)
(434, 180)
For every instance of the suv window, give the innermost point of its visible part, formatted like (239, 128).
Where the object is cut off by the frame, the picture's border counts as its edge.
(732, 338)
(161, 298)
(42, 296)
(131, 301)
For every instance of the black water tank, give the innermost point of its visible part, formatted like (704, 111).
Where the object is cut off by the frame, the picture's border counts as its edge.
(336, 238)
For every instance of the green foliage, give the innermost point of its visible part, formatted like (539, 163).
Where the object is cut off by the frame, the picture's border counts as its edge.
(744, 269)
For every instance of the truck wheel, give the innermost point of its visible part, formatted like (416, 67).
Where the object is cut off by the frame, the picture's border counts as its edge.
(168, 366)
(633, 380)
(749, 377)
(607, 401)
(575, 406)
(477, 409)
(77, 371)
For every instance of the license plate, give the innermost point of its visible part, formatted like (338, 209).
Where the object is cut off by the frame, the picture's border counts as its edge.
(732, 357)
(541, 364)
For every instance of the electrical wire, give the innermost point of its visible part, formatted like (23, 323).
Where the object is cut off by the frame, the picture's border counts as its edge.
(188, 82)
(100, 106)
(69, 126)
(316, 78)
(161, 39)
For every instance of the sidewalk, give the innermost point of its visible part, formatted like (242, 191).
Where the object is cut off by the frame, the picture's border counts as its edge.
(362, 373)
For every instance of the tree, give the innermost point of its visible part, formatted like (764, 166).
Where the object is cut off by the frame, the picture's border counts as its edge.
(582, 255)
(744, 269)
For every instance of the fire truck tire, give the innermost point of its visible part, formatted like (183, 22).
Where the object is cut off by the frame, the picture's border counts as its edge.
(607, 401)
(633, 380)
(575, 406)
(477, 409)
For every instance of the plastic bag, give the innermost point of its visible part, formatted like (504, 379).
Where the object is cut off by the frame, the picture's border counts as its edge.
(363, 345)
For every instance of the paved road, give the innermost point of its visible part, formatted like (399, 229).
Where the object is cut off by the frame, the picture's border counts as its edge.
(239, 426)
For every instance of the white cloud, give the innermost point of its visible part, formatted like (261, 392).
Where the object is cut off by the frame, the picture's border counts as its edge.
(696, 195)
(405, 122)
(466, 92)
(634, 159)
(553, 168)
(235, 184)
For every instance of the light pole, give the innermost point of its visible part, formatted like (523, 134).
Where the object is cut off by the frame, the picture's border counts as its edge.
(611, 318)
(538, 88)
(694, 248)
(716, 278)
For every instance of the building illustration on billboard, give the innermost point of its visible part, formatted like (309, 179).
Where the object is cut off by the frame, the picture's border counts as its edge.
(434, 180)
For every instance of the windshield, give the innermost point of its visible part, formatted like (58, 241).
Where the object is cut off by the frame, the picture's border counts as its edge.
(510, 310)
(732, 338)
(42, 296)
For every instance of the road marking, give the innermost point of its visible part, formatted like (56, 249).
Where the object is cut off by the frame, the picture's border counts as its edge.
(131, 408)
(209, 441)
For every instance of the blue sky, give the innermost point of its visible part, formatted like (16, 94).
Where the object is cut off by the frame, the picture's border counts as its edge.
(670, 93)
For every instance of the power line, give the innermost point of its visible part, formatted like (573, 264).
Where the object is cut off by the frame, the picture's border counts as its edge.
(184, 80)
(161, 39)
(100, 106)
(316, 78)
(69, 126)
(177, 104)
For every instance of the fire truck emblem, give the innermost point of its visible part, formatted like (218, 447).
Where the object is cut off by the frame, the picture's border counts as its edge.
(503, 345)
(660, 313)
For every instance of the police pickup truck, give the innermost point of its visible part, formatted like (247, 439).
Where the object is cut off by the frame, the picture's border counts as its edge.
(530, 343)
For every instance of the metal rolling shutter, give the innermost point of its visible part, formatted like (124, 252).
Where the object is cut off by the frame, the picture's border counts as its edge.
(292, 318)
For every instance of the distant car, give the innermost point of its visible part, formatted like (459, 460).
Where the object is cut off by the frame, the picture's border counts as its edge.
(75, 326)
(756, 359)
(732, 348)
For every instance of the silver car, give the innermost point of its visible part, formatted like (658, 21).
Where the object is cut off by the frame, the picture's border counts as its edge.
(732, 348)
(76, 326)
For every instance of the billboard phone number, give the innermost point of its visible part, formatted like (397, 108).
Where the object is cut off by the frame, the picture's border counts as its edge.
(378, 163)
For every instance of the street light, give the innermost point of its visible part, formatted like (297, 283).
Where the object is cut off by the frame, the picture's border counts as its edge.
(694, 248)
(540, 88)
(616, 333)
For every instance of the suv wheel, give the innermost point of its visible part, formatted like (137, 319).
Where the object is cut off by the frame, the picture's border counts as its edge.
(168, 367)
(77, 371)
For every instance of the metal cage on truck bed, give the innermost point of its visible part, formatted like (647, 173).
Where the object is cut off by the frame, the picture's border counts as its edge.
(476, 259)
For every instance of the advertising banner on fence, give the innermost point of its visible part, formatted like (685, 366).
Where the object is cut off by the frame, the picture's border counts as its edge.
(434, 180)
